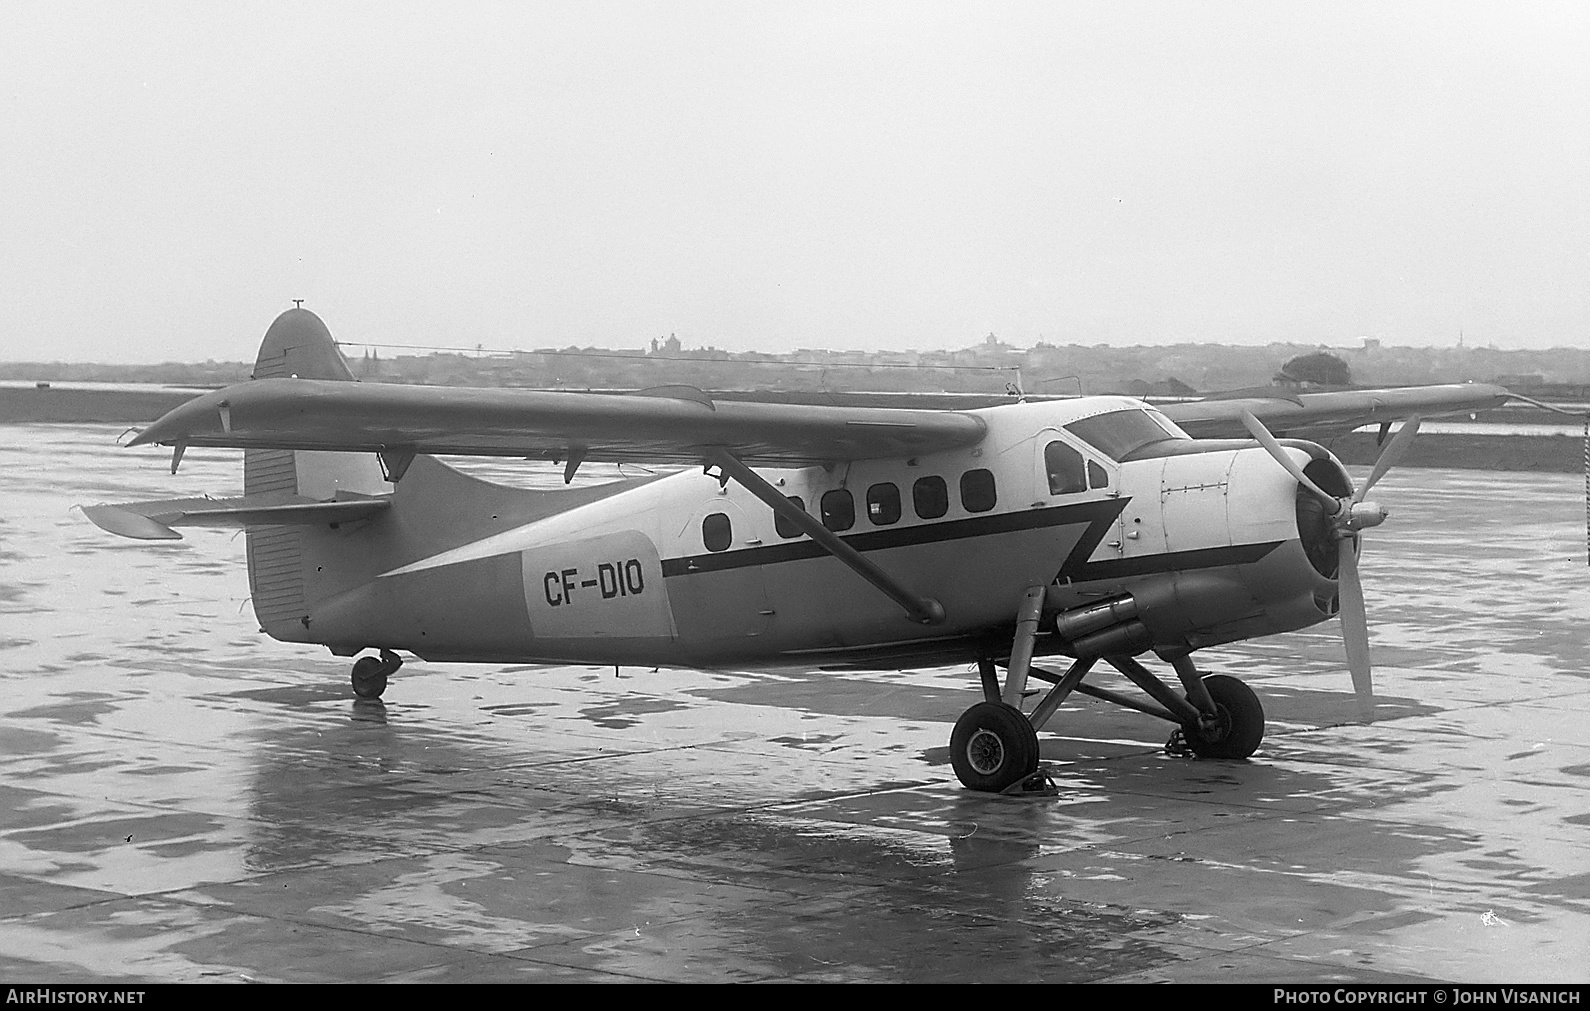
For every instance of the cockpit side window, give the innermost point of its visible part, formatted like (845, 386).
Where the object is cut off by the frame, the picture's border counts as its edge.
(1064, 464)
(1120, 433)
(1098, 477)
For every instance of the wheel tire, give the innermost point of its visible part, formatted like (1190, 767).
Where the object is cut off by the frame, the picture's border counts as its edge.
(369, 677)
(993, 747)
(1241, 721)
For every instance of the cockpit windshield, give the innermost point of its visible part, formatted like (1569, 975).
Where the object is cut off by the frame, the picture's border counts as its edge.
(1120, 433)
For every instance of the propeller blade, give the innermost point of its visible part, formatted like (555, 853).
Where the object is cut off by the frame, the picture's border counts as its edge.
(1256, 428)
(1391, 454)
(1355, 624)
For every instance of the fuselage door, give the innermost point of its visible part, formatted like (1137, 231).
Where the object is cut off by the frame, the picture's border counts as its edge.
(716, 585)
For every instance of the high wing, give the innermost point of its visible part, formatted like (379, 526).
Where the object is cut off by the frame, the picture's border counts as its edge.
(1336, 411)
(669, 425)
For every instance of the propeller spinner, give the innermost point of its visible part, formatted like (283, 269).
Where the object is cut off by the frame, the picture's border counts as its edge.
(1348, 515)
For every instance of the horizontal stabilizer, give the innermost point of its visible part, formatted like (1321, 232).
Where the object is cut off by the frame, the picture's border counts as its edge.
(152, 521)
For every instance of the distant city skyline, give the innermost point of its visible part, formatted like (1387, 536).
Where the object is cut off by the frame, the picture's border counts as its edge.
(863, 176)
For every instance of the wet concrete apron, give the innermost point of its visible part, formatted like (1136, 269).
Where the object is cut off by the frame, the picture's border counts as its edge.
(184, 799)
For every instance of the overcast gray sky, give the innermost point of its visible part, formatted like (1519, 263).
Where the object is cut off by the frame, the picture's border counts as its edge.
(783, 175)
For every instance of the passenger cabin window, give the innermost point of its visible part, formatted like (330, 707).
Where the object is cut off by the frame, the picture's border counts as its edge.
(716, 532)
(1119, 434)
(1066, 473)
(930, 496)
(883, 504)
(787, 528)
(977, 491)
(839, 510)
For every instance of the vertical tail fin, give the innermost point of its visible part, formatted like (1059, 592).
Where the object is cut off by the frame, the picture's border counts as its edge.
(296, 345)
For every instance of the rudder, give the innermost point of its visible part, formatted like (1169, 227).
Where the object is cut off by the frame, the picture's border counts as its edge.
(297, 345)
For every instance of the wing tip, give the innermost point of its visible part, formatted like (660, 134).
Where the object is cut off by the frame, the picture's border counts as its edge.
(126, 523)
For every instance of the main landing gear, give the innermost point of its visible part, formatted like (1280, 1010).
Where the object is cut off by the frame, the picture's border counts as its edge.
(994, 746)
(370, 674)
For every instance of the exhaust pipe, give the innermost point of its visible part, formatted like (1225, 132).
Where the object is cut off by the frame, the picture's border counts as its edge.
(1078, 622)
(1106, 628)
(1126, 639)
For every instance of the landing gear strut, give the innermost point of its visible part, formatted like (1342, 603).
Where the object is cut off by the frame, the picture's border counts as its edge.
(370, 674)
(995, 745)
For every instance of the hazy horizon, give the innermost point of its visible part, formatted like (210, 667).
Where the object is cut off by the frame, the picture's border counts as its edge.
(866, 176)
(355, 351)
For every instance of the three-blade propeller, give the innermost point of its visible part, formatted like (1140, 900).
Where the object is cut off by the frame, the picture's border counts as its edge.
(1348, 516)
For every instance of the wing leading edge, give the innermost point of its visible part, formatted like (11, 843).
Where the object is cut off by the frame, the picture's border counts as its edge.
(1341, 410)
(311, 414)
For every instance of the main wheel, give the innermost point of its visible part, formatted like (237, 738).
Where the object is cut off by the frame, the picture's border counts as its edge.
(369, 677)
(993, 747)
(1239, 723)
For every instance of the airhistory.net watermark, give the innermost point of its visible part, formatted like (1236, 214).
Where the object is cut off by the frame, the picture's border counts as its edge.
(65, 995)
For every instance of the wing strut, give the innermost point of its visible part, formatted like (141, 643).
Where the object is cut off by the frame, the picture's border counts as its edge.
(924, 610)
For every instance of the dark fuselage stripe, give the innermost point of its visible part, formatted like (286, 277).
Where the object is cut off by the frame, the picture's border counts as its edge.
(1169, 561)
(1097, 514)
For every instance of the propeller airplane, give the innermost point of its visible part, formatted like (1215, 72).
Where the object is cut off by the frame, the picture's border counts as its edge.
(1087, 529)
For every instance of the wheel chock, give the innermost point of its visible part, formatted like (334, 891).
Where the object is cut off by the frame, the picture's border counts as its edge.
(1039, 784)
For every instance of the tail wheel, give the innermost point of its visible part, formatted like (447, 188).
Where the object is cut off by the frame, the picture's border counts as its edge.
(993, 747)
(369, 677)
(1239, 723)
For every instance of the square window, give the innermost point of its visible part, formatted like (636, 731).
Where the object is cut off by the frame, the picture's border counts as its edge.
(977, 491)
(839, 510)
(930, 496)
(883, 504)
(784, 527)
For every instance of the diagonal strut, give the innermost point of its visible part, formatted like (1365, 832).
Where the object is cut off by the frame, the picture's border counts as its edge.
(924, 610)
